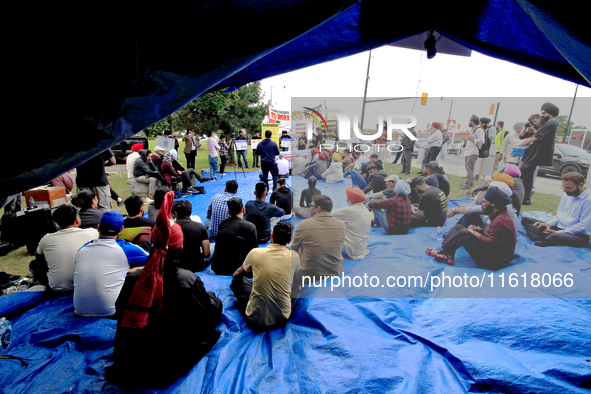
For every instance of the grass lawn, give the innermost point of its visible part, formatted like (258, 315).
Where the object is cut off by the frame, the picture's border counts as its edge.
(17, 261)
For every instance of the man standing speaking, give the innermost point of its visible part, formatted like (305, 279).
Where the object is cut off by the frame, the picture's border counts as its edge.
(268, 150)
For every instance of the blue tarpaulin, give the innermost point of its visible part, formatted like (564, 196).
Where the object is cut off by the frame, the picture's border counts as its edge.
(349, 343)
(81, 79)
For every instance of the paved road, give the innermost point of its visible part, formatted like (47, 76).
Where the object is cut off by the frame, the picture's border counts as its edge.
(544, 184)
(115, 169)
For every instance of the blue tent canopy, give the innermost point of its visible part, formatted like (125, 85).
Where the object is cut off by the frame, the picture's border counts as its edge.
(81, 79)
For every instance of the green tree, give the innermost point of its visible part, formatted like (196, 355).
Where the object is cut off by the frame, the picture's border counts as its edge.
(219, 110)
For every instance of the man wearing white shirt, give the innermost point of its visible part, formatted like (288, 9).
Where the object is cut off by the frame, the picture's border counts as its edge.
(101, 267)
(53, 266)
(474, 142)
(130, 161)
(572, 224)
(282, 166)
(213, 148)
(511, 140)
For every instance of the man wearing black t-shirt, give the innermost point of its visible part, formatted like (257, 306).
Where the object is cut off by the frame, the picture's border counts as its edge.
(91, 175)
(235, 239)
(432, 208)
(195, 237)
(541, 148)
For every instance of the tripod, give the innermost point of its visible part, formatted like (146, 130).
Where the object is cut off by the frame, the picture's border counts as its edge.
(232, 149)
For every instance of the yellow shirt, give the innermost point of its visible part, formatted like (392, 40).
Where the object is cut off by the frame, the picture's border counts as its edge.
(272, 274)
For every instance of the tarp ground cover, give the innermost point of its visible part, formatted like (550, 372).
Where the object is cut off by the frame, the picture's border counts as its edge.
(403, 345)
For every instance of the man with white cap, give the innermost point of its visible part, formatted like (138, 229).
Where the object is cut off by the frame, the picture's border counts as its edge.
(511, 141)
(398, 217)
(540, 151)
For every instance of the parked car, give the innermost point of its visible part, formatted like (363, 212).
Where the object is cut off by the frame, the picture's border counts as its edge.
(567, 158)
(122, 149)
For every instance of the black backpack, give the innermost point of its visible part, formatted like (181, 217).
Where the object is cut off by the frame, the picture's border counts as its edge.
(483, 151)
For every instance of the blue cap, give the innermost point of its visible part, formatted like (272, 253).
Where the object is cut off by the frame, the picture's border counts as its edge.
(111, 223)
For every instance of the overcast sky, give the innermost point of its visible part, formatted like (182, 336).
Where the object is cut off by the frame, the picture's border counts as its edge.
(398, 72)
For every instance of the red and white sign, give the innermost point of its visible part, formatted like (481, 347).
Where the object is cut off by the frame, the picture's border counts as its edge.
(451, 124)
(277, 115)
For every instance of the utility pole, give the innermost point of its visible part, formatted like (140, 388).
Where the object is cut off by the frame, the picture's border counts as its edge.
(365, 93)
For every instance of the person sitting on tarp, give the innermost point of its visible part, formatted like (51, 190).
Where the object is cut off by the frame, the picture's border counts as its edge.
(165, 317)
(282, 166)
(101, 267)
(259, 212)
(306, 198)
(572, 224)
(334, 173)
(236, 238)
(432, 206)
(514, 172)
(398, 214)
(429, 175)
(317, 169)
(155, 205)
(357, 219)
(442, 180)
(218, 208)
(265, 302)
(320, 240)
(297, 165)
(282, 198)
(473, 211)
(491, 248)
(195, 238)
(53, 266)
(137, 229)
(499, 177)
(90, 215)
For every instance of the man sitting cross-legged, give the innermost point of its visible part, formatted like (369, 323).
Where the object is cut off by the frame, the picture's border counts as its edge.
(236, 238)
(491, 248)
(195, 238)
(101, 268)
(432, 208)
(266, 302)
(259, 212)
(137, 229)
(572, 224)
(53, 266)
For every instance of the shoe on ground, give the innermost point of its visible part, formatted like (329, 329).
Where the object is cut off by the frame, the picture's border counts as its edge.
(120, 202)
(188, 193)
(541, 244)
(148, 200)
(465, 186)
(526, 202)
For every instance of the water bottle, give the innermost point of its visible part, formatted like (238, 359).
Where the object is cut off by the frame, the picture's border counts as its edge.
(5, 329)
(439, 233)
(32, 203)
